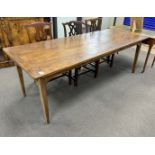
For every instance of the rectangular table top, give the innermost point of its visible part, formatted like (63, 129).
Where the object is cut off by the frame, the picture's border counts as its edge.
(51, 57)
(148, 33)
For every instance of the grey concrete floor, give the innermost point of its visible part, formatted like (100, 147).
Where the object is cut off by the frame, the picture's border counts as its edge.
(117, 103)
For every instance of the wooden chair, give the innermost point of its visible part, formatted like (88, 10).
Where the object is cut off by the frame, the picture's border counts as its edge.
(42, 33)
(73, 28)
(95, 24)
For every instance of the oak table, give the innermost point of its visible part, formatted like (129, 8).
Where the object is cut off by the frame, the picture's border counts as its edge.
(44, 60)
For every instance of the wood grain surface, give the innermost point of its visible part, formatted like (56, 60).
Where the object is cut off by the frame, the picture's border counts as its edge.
(48, 58)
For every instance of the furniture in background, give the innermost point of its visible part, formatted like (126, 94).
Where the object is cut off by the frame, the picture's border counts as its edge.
(95, 24)
(148, 23)
(136, 24)
(149, 42)
(41, 31)
(4, 60)
(153, 62)
(65, 54)
(74, 28)
(145, 26)
(13, 33)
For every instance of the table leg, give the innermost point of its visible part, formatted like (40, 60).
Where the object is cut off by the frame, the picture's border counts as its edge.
(153, 61)
(43, 97)
(21, 79)
(147, 57)
(136, 57)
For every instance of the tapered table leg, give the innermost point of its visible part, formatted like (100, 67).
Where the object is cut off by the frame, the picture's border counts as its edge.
(43, 97)
(21, 79)
(147, 57)
(153, 61)
(136, 57)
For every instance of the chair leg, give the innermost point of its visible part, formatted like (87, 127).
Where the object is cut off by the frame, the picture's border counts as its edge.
(112, 60)
(153, 62)
(108, 59)
(70, 77)
(96, 68)
(76, 77)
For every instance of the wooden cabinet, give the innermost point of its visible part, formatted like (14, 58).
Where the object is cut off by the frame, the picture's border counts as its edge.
(13, 33)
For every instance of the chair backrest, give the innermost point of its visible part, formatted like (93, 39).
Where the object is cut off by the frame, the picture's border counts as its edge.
(42, 31)
(93, 24)
(73, 28)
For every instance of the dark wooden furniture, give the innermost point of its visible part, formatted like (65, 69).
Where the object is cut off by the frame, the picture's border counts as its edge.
(44, 60)
(93, 24)
(74, 28)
